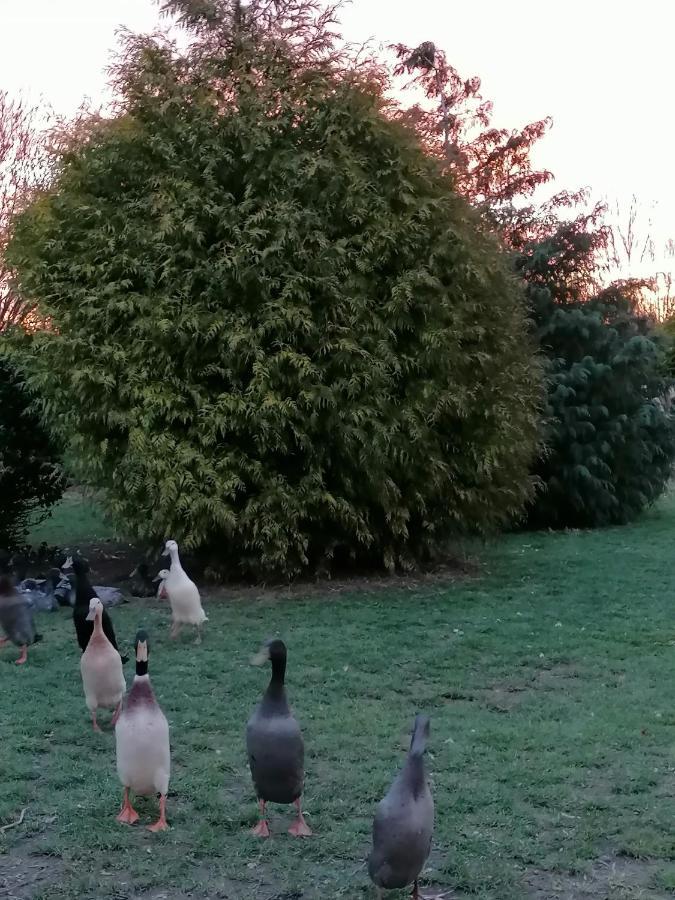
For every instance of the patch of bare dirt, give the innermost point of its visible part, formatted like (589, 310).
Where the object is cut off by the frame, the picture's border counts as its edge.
(609, 878)
(112, 563)
(507, 695)
(21, 877)
(554, 677)
(327, 588)
(503, 699)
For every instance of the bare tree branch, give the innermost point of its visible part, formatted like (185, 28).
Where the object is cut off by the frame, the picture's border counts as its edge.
(24, 169)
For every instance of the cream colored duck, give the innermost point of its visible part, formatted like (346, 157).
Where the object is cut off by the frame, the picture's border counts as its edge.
(101, 668)
(142, 736)
(161, 578)
(183, 595)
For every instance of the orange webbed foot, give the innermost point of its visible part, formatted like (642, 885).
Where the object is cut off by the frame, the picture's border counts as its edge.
(300, 828)
(127, 815)
(161, 824)
(262, 829)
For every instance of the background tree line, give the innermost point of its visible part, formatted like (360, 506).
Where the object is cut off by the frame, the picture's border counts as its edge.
(300, 324)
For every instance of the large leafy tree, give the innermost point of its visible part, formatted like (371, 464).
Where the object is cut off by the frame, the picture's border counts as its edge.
(492, 167)
(24, 168)
(30, 476)
(609, 436)
(279, 334)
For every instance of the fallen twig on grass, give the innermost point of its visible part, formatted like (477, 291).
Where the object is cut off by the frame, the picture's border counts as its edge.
(14, 824)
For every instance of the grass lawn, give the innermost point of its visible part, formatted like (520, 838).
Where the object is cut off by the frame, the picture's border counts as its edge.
(547, 678)
(75, 520)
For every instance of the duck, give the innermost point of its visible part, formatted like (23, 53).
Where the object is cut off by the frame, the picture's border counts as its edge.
(140, 582)
(16, 619)
(275, 746)
(142, 741)
(64, 591)
(101, 668)
(41, 593)
(19, 563)
(84, 592)
(162, 575)
(183, 595)
(404, 822)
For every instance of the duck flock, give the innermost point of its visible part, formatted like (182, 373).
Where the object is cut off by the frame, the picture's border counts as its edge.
(404, 819)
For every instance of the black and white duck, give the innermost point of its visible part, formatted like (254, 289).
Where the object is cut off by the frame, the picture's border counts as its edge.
(404, 822)
(84, 592)
(276, 750)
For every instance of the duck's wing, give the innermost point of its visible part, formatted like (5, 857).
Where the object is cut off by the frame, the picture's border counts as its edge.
(276, 755)
(83, 628)
(402, 832)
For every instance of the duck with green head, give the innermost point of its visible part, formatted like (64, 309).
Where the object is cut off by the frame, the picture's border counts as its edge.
(142, 738)
(276, 750)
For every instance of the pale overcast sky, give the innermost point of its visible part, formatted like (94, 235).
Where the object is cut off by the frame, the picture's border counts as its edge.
(603, 69)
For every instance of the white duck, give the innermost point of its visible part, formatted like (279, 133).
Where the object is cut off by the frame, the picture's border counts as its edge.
(183, 595)
(142, 736)
(161, 590)
(101, 668)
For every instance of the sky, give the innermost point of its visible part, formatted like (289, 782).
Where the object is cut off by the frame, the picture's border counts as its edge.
(602, 69)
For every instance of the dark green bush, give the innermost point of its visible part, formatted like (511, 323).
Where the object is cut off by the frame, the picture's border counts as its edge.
(278, 333)
(610, 439)
(30, 475)
(666, 332)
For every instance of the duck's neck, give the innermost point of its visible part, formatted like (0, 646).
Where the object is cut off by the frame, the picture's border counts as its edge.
(416, 774)
(275, 689)
(175, 560)
(141, 668)
(83, 589)
(141, 693)
(98, 622)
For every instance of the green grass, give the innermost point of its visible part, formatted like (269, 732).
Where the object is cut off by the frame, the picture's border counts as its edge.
(547, 679)
(76, 519)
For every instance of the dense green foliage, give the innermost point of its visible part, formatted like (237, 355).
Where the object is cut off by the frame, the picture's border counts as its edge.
(611, 441)
(277, 332)
(30, 476)
(666, 331)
